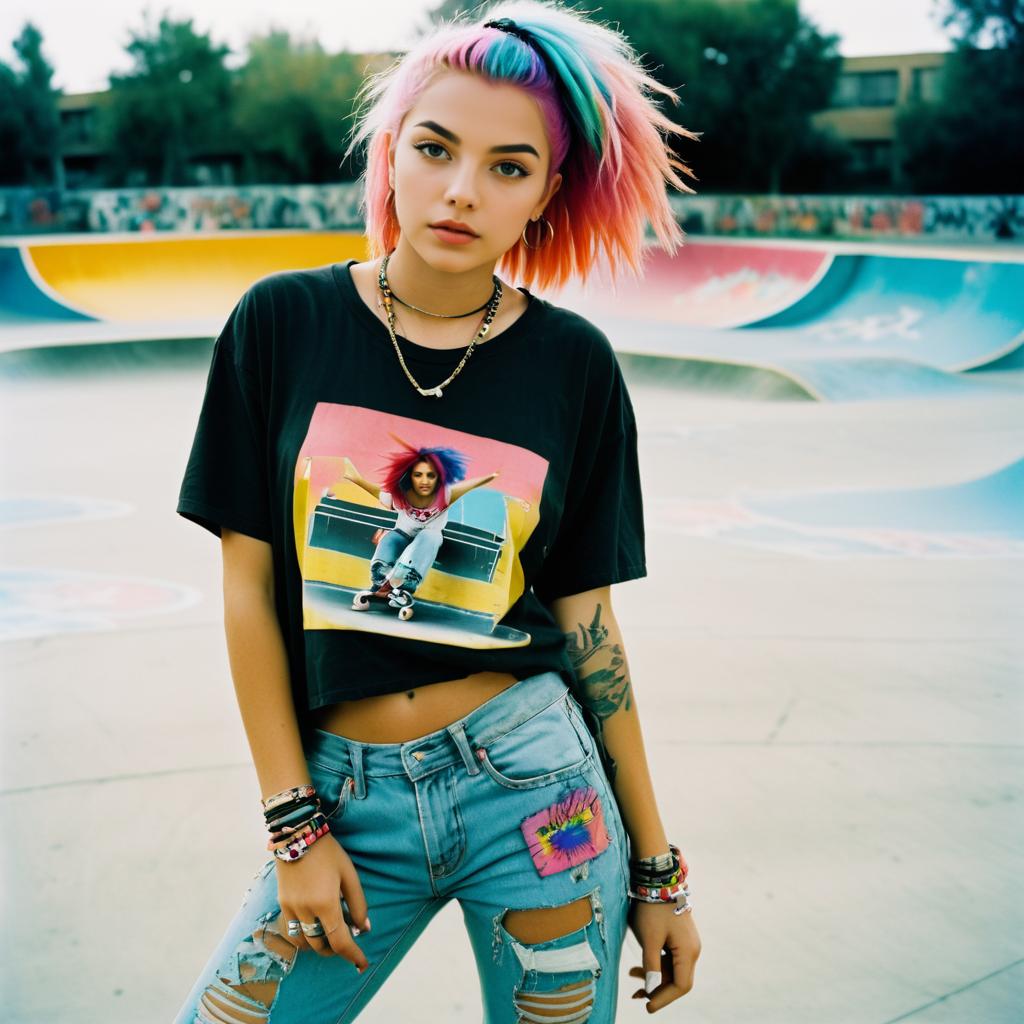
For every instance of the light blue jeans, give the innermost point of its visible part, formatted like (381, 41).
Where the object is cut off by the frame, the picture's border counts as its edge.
(506, 808)
(416, 553)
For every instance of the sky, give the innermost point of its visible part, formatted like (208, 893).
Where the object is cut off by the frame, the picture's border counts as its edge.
(85, 42)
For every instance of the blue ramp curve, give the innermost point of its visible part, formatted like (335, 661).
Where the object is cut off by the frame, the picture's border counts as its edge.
(951, 314)
(989, 506)
(22, 301)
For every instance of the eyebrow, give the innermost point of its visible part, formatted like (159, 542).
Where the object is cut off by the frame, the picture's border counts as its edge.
(520, 147)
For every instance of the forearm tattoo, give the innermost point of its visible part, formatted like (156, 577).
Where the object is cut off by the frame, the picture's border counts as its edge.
(602, 677)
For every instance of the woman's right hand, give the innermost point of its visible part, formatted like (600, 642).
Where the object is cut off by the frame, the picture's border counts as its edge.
(312, 887)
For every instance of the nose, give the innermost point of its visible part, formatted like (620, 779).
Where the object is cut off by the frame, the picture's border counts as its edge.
(461, 188)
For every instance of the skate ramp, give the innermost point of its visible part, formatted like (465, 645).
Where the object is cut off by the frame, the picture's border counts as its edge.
(84, 288)
(707, 283)
(840, 323)
(974, 518)
(952, 314)
(847, 324)
(25, 298)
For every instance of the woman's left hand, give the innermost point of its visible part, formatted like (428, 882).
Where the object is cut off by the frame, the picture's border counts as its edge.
(658, 929)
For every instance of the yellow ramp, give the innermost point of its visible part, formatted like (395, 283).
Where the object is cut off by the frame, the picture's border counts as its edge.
(167, 278)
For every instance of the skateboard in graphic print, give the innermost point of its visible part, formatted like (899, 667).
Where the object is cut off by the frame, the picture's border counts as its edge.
(394, 597)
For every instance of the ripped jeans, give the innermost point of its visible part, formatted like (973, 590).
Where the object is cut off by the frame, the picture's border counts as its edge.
(507, 808)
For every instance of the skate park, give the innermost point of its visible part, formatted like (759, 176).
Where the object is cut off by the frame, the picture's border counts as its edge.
(826, 653)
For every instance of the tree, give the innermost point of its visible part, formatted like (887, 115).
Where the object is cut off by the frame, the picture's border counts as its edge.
(292, 104)
(174, 103)
(29, 116)
(750, 73)
(972, 139)
(1003, 20)
(13, 133)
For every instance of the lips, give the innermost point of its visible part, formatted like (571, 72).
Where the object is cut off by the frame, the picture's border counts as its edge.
(452, 227)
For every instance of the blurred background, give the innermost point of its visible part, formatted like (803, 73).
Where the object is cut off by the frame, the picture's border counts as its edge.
(828, 380)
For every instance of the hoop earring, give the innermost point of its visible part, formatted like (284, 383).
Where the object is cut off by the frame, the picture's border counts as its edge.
(551, 233)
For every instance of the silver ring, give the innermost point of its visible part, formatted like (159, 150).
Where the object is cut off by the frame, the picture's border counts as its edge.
(293, 927)
(312, 930)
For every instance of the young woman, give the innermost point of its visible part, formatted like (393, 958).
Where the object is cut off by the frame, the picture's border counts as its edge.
(486, 749)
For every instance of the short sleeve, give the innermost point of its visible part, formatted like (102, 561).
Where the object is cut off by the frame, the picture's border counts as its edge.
(226, 480)
(600, 537)
(385, 498)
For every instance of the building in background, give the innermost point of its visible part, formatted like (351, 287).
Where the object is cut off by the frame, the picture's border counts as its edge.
(868, 94)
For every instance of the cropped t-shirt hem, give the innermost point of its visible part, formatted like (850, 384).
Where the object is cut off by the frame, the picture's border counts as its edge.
(213, 519)
(636, 571)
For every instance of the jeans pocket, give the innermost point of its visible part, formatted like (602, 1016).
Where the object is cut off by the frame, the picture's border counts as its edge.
(333, 787)
(546, 748)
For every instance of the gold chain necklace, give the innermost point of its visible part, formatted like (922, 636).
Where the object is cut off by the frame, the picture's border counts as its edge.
(485, 326)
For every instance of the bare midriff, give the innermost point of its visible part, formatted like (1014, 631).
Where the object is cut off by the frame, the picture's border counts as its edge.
(409, 714)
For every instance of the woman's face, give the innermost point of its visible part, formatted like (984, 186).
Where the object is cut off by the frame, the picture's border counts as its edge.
(424, 479)
(443, 165)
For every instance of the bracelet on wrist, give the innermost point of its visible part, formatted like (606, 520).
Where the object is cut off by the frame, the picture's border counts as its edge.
(661, 879)
(295, 794)
(295, 848)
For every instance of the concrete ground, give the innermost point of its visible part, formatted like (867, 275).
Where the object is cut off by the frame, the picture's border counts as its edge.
(836, 742)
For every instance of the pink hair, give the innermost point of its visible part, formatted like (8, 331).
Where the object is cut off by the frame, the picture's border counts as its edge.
(604, 131)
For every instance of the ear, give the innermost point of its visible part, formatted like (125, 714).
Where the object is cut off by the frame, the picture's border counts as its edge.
(553, 186)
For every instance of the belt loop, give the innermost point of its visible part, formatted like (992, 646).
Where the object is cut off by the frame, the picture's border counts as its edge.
(458, 733)
(355, 751)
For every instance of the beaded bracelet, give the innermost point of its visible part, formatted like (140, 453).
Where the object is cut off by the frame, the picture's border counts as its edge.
(661, 879)
(296, 848)
(679, 894)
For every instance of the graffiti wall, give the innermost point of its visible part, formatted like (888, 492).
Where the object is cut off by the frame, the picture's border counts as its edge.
(323, 207)
(943, 218)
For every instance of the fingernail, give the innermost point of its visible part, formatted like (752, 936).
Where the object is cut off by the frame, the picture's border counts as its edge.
(355, 930)
(366, 925)
(652, 981)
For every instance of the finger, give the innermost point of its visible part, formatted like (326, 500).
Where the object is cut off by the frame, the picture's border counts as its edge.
(653, 963)
(307, 916)
(288, 914)
(683, 968)
(668, 990)
(663, 996)
(339, 937)
(655, 966)
(353, 895)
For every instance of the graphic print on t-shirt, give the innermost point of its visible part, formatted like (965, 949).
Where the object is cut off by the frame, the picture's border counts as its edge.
(410, 529)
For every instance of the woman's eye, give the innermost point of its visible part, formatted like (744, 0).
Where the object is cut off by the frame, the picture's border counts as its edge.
(522, 172)
(424, 146)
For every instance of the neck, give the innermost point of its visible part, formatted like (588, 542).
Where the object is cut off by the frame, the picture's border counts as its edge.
(438, 291)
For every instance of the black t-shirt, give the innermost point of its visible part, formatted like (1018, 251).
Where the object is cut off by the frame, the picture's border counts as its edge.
(520, 485)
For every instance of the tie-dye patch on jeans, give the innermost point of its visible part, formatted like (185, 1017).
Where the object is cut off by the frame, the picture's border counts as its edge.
(505, 810)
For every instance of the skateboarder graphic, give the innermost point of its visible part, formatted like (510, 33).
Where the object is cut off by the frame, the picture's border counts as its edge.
(420, 484)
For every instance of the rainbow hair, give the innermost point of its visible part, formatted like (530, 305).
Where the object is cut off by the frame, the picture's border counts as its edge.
(449, 463)
(604, 131)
